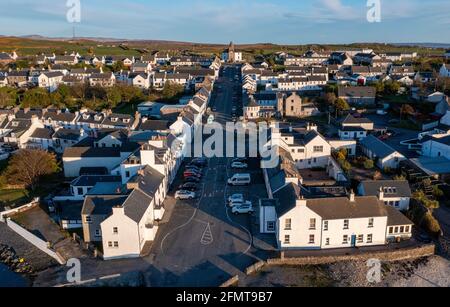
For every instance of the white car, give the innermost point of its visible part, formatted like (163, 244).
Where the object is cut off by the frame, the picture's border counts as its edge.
(240, 203)
(239, 165)
(242, 209)
(183, 195)
(236, 198)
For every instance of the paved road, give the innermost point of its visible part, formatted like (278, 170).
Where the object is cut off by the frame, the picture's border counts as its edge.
(203, 244)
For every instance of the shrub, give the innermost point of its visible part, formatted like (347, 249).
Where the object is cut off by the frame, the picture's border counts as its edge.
(369, 164)
(431, 224)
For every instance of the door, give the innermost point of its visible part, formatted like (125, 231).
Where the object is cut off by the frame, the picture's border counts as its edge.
(353, 241)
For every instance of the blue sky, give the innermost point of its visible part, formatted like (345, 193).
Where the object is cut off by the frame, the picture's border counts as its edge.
(243, 21)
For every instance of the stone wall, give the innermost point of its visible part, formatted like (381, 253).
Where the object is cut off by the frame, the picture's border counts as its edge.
(387, 256)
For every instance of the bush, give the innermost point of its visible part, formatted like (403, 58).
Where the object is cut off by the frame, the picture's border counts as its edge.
(431, 224)
(437, 192)
(369, 164)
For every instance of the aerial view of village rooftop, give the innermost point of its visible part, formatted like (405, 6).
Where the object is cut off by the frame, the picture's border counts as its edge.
(222, 144)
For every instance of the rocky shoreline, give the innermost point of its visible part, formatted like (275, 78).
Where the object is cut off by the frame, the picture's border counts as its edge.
(9, 257)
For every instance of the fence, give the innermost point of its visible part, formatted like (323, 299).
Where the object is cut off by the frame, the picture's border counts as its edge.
(37, 242)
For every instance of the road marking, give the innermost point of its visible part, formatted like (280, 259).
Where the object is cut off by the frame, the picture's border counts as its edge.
(207, 237)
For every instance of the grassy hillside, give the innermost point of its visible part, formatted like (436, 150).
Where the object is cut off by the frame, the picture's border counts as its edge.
(28, 46)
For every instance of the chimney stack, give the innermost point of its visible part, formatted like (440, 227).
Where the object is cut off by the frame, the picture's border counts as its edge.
(352, 196)
(381, 193)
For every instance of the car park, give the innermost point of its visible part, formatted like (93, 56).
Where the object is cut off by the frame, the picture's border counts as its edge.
(184, 195)
(239, 165)
(242, 209)
(236, 197)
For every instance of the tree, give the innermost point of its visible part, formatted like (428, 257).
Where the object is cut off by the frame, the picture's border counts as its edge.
(431, 224)
(36, 97)
(437, 192)
(28, 166)
(113, 97)
(172, 90)
(341, 105)
(330, 98)
(118, 66)
(8, 97)
(406, 109)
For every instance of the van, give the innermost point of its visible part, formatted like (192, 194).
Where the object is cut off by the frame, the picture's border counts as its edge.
(240, 179)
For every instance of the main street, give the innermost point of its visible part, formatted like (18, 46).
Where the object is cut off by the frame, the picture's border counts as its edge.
(201, 243)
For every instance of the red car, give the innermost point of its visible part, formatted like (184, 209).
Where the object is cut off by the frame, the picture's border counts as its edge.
(191, 174)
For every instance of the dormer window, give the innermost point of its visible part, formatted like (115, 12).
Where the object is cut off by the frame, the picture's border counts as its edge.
(97, 117)
(114, 119)
(86, 116)
(126, 120)
(15, 124)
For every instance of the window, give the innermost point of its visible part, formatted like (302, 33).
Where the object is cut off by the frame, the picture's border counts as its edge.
(402, 229)
(327, 241)
(312, 224)
(407, 229)
(311, 239)
(80, 191)
(397, 204)
(288, 224)
(98, 233)
(115, 230)
(369, 238)
(318, 148)
(127, 174)
(346, 224)
(270, 226)
(287, 239)
(88, 219)
(345, 240)
(116, 244)
(110, 244)
(396, 230)
(371, 223)
(391, 230)
(361, 239)
(325, 226)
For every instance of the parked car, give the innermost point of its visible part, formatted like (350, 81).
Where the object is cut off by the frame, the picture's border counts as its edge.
(191, 174)
(239, 165)
(240, 203)
(236, 197)
(193, 169)
(242, 209)
(191, 180)
(200, 162)
(189, 186)
(242, 160)
(240, 179)
(184, 195)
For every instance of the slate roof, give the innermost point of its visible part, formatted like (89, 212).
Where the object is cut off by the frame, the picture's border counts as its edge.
(154, 125)
(342, 208)
(353, 120)
(287, 198)
(136, 205)
(92, 180)
(67, 134)
(91, 152)
(101, 205)
(357, 91)
(397, 188)
(396, 218)
(378, 147)
(42, 133)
